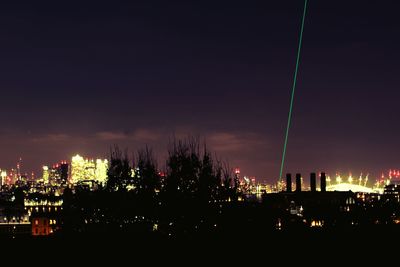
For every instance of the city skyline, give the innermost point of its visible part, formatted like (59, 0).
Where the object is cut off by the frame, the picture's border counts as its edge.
(79, 79)
(87, 168)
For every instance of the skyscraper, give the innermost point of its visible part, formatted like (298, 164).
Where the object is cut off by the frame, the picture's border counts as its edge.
(101, 170)
(77, 169)
(88, 169)
(63, 170)
(3, 176)
(46, 174)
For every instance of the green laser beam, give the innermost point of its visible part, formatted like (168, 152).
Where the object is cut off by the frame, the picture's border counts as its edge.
(293, 91)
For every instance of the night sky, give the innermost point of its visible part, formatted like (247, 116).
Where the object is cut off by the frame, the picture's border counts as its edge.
(77, 78)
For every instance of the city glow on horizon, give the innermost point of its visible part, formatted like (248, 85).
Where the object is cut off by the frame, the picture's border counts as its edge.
(351, 187)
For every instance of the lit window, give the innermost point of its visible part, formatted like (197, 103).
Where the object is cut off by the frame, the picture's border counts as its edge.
(36, 222)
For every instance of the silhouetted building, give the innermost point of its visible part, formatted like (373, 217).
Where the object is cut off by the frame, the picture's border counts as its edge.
(14, 220)
(323, 182)
(313, 209)
(392, 193)
(313, 182)
(63, 170)
(58, 174)
(288, 182)
(298, 182)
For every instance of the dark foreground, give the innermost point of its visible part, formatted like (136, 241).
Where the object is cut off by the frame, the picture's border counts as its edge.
(376, 245)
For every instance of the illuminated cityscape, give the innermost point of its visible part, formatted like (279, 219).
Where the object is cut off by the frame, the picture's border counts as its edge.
(244, 129)
(41, 202)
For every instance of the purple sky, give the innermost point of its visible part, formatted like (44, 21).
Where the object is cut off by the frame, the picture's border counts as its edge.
(78, 78)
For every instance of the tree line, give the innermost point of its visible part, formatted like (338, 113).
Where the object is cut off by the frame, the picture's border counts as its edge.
(188, 195)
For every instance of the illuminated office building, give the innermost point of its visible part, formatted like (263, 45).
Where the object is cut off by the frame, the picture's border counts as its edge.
(77, 169)
(101, 170)
(3, 177)
(45, 175)
(88, 169)
(57, 174)
(54, 175)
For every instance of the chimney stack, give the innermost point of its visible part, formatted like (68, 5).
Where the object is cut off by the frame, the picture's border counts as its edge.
(298, 182)
(323, 182)
(289, 182)
(313, 182)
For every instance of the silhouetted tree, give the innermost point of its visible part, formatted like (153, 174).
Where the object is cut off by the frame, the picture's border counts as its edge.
(69, 214)
(119, 172)
(209, 178)
(194, 173)
(183, 168)
(19, 196)
(189, 198)
(146, 175)
(193, 191)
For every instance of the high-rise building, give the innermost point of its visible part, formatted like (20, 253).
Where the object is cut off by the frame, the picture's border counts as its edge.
(77, 169)
(19, 167)
(57, 174)
(88, 169)
(3, 176)
(101, 170)
(46, 174)
(64, 171)
(54, 175)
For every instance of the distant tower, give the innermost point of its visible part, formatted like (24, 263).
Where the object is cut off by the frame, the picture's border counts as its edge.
(323, 182)
(78, 165)
(298, 182)
(237, 180)
(64, 172)
(46, 174)
(19, 167)
(237, 173)
(289, 182)
(313, 182)
(3, 175)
